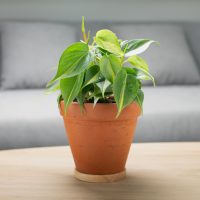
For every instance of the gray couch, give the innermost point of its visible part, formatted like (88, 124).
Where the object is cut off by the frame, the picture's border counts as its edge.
(29, 52)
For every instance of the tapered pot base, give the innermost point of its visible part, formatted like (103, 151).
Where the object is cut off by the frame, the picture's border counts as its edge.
(99, 178)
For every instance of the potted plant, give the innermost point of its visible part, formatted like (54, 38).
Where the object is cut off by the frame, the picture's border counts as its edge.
(100, 101)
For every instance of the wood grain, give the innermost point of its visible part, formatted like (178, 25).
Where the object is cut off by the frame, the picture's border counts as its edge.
(155, 171)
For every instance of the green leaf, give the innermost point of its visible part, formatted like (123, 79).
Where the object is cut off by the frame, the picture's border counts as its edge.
(83, 24)
(107, 40)
(137, 46)
(138, 62)
(95, 100)
(140, 74)
(125, 89)
(85, 38)
(53, 88)
(88, 36)
(83, 95)
(137, 73)
(80, 100)
(147, 76)
(70, 88)
(141, 65)
(87, 89)
(132, 71)
(73, 61)
(92, 75)
(59, 99)
(98, 93)
(143, 76)
(139, 98)
(109, 66)
(103, 86)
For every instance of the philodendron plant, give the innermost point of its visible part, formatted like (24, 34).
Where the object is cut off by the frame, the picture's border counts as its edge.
(105, 70)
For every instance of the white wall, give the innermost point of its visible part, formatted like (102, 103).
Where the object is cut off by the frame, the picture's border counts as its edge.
(108, 10)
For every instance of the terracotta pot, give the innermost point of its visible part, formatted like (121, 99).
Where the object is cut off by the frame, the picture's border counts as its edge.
(99, 142)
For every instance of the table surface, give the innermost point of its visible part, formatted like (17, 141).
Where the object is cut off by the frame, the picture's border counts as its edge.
(154, 171)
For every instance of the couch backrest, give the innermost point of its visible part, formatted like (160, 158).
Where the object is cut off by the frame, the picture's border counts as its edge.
(192, 31)
(0, 55)
(29, 50)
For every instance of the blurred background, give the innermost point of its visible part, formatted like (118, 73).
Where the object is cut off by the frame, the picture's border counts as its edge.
(33, 34)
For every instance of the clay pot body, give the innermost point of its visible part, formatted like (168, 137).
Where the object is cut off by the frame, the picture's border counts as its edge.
(99, 142)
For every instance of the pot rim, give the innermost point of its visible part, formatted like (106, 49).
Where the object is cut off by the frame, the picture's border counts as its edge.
(75, 102)
(109, 111)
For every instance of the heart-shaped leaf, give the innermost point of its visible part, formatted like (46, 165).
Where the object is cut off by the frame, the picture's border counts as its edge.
(103, 86)
(92, 75)
(141, 65)
(148, 76)
(137, 46)
(107, 40)
(125, 89)
(138, 62)
(95, 101)
(139, 98)
(70, 88)
(109, 66)
(73, 61)
(53, 88)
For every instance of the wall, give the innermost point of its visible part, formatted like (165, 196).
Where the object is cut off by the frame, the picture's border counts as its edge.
(107, 10)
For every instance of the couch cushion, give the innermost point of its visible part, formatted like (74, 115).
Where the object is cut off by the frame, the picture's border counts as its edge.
(193, 36)
(0, 53)
(171, 113)
(30, 51)
(171, 62)
(29, 118)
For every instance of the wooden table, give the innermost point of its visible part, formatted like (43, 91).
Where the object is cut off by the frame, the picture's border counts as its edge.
(154, 171)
